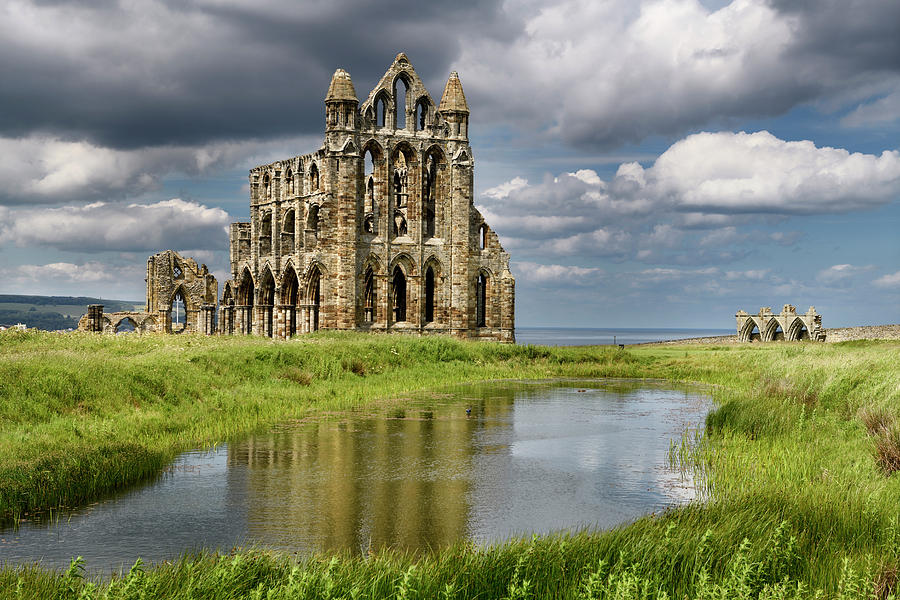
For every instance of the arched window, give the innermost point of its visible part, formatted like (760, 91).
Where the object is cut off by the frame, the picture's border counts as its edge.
(289, 296)
(429, 191)
(267, 187)
(287, 232)
(429, 295)
(289, 182)
(481, 301)
(312, 221)
(313, 179)
(265, 234)
(369, 204)
(398, 294)
(483, 235)
(421, 114)
(400, 93)
(314, 297)
(126, 325)
(380, 112)
(179, 312)
(369, 298)
(267, 301)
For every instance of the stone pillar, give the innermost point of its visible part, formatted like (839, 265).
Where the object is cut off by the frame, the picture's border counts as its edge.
(208, 318)
(95, 318)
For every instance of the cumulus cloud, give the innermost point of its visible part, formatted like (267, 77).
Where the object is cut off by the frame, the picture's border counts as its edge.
(553, 273)
(840, 274)
(878, 112)
(46, 169)
(699, 202)
(100, 226)
(600, 74)
(890, 280)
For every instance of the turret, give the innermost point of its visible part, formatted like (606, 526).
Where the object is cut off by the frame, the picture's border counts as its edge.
(341, 103)
(454, 108)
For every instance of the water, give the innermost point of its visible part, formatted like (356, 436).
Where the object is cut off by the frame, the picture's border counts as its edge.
(570, 336)
(530, 458)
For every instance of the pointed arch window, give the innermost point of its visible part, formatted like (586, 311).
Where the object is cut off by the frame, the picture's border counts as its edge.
(313, 179)
(369, 297)
(429, 191)
(312, 221)
(481, 301)
(179, 312)
(314, 298)
(370, 204)
(265, 234)
(398, 294)
(429, 295)
(289, 182)
(401, 90)
(421, 114)
(380, 112)
(287, 232)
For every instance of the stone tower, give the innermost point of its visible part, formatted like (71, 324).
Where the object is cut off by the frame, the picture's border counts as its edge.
(376, 230)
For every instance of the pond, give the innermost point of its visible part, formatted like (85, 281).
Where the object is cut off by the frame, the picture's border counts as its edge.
(483, 462)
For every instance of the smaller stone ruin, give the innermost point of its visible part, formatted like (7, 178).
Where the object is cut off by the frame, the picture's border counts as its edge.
(181, 298)
(787, 326)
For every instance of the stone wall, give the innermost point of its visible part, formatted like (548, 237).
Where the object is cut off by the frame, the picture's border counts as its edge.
(788, 325)
(374, 231)
(173, 282)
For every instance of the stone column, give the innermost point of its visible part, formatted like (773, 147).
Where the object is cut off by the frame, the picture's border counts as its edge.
(95, 318)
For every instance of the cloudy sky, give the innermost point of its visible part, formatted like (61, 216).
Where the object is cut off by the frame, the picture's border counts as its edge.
(647, 164)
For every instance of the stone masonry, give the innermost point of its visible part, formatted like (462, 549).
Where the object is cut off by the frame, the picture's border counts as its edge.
(769, 327)
(174, 284)
(376, 230)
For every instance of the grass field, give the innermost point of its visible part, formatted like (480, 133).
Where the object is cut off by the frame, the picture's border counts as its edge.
(798, 463)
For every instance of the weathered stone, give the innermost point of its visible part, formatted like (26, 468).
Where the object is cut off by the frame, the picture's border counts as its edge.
(169, 275)
(397, 246)
(768, 327)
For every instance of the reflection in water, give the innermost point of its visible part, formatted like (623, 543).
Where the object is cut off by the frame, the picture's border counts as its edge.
(529, 458)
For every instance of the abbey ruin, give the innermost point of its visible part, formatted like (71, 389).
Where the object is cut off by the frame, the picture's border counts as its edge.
(769, 327)
(374, 231)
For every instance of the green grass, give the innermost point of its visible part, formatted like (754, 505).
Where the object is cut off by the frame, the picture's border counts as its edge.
(798, 500)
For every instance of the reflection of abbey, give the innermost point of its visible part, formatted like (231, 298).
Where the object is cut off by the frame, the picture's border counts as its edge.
(375, 231)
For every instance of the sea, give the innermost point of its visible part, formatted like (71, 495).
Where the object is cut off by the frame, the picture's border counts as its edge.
(585, 336)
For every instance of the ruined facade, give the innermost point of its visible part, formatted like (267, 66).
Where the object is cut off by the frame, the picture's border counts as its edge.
(376, 230)
(769, 327)
(181, 297)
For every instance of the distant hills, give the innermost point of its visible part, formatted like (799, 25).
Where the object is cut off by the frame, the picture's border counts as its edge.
(54, 312)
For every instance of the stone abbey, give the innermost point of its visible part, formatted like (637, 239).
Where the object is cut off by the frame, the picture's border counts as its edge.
(375, 231)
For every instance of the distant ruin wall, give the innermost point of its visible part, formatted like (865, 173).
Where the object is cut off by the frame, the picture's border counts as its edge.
(786, 326)
(174, 283)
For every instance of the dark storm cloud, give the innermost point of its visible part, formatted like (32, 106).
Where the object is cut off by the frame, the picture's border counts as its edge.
(854, 35)
(182, 73)
(614, 75)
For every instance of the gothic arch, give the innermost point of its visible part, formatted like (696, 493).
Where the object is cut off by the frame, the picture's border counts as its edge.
(315, 182)
(399, 293)
(796, 331)
(484, 301)
(383, 107)
(423, 114)
(371, 262)
(135, 328)
(406, 261)
(402, 78)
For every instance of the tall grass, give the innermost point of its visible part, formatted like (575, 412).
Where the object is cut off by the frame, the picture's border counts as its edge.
(797, 500)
